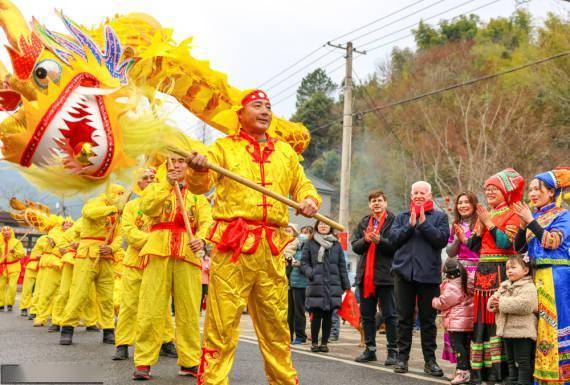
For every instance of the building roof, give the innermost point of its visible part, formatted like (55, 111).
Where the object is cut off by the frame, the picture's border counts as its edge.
(321, 185)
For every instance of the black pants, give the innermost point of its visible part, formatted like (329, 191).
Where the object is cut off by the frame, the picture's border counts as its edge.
(406, 295)
(520, 360)
(324, 318)
(460, 342)
(299, 317)
(384, 297)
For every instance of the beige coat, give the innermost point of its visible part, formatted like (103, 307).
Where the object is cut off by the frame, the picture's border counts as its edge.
(518, 305)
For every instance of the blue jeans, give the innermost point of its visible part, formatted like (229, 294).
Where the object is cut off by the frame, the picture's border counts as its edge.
(335, 330)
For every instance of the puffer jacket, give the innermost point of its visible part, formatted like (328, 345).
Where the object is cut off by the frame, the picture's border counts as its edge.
(518, 304)
(456, 306)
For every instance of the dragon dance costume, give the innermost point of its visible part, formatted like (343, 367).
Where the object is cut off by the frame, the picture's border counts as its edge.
(246, 266)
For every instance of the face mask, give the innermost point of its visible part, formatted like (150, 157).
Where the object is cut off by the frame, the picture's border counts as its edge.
(303, 237)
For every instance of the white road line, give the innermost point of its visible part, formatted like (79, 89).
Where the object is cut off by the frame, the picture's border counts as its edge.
(253, 341)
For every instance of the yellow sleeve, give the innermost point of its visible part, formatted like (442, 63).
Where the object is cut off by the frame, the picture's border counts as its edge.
(302, 188)
(117, 243)
(19, 250)
(38, 248)
(133, 235)
(154, 196)
(96, 209)
(202, 182)
(204, 216)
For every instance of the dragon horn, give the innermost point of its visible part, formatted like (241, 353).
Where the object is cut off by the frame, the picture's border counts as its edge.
(13, 23)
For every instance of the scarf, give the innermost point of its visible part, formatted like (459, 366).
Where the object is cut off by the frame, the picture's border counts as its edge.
(326, 242)
(428, 206)
(369, 287)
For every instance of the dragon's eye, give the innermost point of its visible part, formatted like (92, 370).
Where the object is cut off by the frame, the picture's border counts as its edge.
(45, 71)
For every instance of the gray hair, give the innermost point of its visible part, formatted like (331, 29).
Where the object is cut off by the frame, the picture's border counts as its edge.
(422, 183)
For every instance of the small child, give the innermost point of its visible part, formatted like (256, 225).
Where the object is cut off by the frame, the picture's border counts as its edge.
(456, 305)
(516, 303)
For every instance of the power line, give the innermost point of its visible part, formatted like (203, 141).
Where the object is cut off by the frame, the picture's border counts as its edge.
(377, 20)
(301, 69)
(400, 19)
(286, 69)
(466, 83)
(431, 17)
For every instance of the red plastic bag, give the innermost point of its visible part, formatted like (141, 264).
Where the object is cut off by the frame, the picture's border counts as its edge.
(349, 310)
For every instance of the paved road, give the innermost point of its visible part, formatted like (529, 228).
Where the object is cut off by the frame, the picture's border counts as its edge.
(20, 343)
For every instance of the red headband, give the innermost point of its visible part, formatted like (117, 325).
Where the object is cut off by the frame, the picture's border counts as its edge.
(254, 96)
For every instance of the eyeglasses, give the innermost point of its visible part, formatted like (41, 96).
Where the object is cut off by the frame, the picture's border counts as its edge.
(491, 189)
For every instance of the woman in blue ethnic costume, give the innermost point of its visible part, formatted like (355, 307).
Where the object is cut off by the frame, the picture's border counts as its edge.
(493, 237)
(546, 236)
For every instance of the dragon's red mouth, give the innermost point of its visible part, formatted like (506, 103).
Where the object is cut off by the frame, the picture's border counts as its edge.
(78, 117)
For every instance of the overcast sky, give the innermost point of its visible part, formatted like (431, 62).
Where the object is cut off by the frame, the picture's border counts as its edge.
(254, 41)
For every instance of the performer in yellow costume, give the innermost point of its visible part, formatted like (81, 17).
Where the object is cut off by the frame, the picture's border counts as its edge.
(50, 263)
(30, 276)
(44, 247)
(246, 267)
(94, 263)
(10, 268)
(135, 226)
(68, 244)
(173, 268)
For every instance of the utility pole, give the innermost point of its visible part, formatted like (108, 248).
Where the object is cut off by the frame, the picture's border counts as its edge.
(346, 134)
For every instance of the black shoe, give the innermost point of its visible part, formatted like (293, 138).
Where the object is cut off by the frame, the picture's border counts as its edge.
(315, 348)
(31, 316)
(54, 329)
(109, 336)
(24, 312)
(9, 307)
(391, 359)
(188, 371)
(168, 350)
(433, 369)
(66, 337)
(366, 356)
(142, 373)
(1, 309)
(92, 328)
(122, 353)
(333, 339)
(324, 348)
(401, 367)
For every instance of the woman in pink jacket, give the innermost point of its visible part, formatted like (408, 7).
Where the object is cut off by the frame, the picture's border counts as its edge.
(456, 305)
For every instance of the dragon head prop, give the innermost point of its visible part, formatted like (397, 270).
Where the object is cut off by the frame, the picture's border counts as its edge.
(84, 104)
(34, 214)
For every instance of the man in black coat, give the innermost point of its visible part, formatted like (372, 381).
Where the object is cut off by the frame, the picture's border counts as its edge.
(419, 235)
(370, 241)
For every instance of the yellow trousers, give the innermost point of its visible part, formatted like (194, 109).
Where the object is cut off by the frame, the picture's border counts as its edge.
(50, 285)
(8, 286)
(87, 273)
(125, 331)
(89, 312)
(163, 278)
(37, 290)
(28, 289)
(259, 281)
(117, 287)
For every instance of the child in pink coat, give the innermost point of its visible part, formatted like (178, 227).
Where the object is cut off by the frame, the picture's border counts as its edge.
(456, 305)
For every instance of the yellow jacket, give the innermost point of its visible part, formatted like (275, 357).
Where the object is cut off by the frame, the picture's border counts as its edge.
(36, 253)
(136, 227)
(51, 256)
(68, 238)
(98, 221)
(168, 236)
(274, 165)
(12, 251)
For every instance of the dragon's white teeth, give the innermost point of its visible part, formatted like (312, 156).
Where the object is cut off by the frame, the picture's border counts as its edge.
(95, 91)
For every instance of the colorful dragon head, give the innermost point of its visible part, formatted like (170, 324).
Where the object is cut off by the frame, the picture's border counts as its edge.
(34, 214)
(84, 104)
